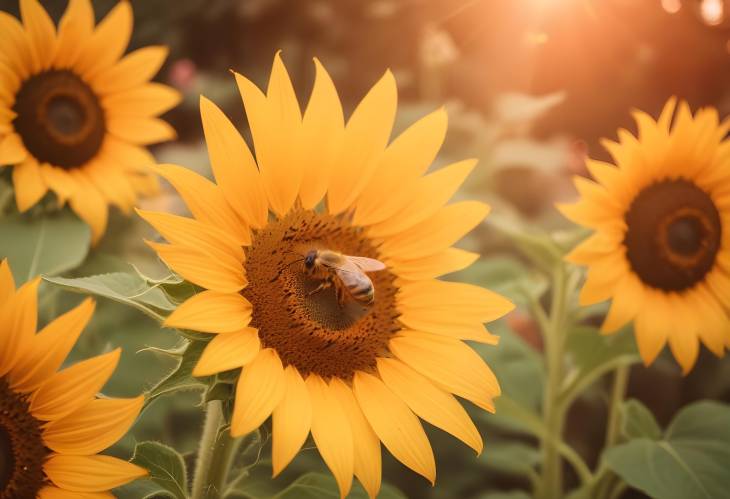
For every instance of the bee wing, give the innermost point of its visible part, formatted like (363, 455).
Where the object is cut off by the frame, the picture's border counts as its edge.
(352, 278)
(366, 264)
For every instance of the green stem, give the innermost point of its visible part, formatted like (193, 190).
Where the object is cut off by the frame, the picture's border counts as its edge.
(553, 415)
(618, 393)
(215, 455)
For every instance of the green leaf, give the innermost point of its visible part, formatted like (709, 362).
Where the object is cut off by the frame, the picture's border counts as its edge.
(513, 458)
(691, 461)
(594, 354)
(143, 489)
(322, 486)
(507, 276)
(537, 246)
(308, 486)
(638, 422)
(50, 244)
(512, 494)
(166, 467)
(181, 377)
(127, 288)
(521, 373)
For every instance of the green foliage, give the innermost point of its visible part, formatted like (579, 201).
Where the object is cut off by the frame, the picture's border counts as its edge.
(309, 486)
(594, 354)
(166, 467)
(691, 460)
(637, 421)
(511, 457)
(151, 296)
(181, 377)
(49, 244)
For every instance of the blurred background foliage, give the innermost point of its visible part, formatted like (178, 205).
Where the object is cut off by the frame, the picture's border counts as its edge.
(530, 86)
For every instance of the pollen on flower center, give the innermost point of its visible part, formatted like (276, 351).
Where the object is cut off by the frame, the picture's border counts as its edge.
(59, 118)
(22, 451)
(312, 331)
(674, 233)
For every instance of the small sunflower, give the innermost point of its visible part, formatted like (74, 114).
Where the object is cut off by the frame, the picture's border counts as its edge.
(661, 247)
(52, 424)
(75, 114)
(353, 375)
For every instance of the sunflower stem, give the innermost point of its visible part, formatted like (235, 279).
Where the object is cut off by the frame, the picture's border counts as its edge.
(618, 393)
(553, 413)
(215, 455)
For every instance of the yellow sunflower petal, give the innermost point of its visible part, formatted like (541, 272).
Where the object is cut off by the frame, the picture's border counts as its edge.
(450, 364)
(28, 183)
(148, 99)
(394, 423)
(441, 324)
(131, 156)
(7, 282)
(90, 206)
(438, 232)
(90, 473)
(140, 130)
(112, 183)
(74, 30)
(108, 42)
(132, 70)
(49, 348)
(228, 351)
(63, 184)
(683, 340)
(205, 200)
(19, 317)
(428, 402)
(193, 234)
(51, 492)
(260, 389)
(92, 428)
(41, 31)
(292, 420)
(197, 267)
(233, 166)
(271, 115)
(331, 432)
(322, 128)
(72, 388)
(12, 150)
(397, 171)
(652, 326)
(366, 135)
(436, 265)
(462, 300)
(366, 445)
(15, 46)
(432, 192)
(628, 298)
(212, 312)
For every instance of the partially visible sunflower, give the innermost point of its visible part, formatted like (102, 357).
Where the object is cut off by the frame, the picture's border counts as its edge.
(75, 114)
(661, 247)
(353, 375)
(52, 424)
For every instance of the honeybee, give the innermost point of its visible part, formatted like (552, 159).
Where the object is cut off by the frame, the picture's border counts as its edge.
(346, 273)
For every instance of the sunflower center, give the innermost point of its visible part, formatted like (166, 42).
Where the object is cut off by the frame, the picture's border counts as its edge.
(59, 118)
(674, 233)
(22, 452)
(309, 328)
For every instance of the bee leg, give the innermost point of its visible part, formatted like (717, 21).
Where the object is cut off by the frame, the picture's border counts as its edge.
(341, 295)
(322, 286)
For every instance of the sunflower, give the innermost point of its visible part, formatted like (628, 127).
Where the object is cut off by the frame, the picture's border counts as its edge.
(661, 248)
(74, 113)
(52, 424)
(353, 375)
